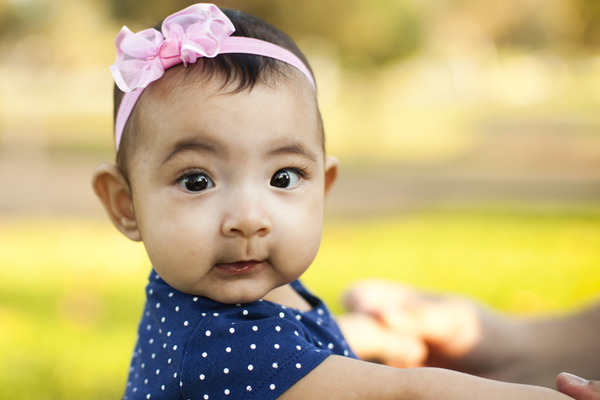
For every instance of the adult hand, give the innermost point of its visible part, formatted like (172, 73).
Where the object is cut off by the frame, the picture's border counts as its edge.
(459, 334)
(578, 388)
(448, 327)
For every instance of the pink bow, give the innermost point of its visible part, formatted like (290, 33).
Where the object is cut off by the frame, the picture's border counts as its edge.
(143, 57)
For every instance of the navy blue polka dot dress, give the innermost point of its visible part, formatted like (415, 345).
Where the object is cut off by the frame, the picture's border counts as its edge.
(191, 347)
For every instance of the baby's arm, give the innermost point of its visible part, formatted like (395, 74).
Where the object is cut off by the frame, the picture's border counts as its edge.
(344, 378)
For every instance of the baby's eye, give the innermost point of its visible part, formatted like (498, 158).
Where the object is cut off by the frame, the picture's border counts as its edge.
(196, 182)
(285, 178)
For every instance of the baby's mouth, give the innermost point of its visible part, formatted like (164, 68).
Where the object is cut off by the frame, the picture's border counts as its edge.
(239, 267)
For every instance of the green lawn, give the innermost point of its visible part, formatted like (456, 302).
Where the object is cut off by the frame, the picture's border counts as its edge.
(71, 291)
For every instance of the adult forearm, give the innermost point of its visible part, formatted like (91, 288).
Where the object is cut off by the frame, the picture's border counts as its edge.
(541, 348)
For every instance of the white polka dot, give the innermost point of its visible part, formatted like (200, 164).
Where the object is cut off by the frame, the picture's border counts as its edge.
(148, 396)
(320, 311)
(298, 317)
(157, 305)
(226, 370)
(153, 355)
(250, 367)
(149, 327)
(228, 349)
(156, 276)
(284, 307)
(281, 315)
(168, 334)
(216, 314)
(180, 383)
(253, 346)
(296, 333)
(177, 309)
(276, 346)
(145, 381)
(275, 365)
(231, 330)
(195, 299)
(204, 354)
(299, 348)
(346, 353)
(245, 312)
(205, 397)
(330, 346)
(169, 361)
(277, 328)
(175, 375)
(298, 366)
(255, 328)
(135, 389)
(143, 365)
(151, 341)
(175, 347)
(227, 391)
(171, 294)
(185, 323)
(164, 345)
(163, 387)
(272, 387)
(157, 371)
(202, 377)
(151, 291)
(204, 314)
(249, 388)
(207, 333)
(162, 319)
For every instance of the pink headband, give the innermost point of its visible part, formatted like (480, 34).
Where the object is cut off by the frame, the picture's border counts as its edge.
(201, 30)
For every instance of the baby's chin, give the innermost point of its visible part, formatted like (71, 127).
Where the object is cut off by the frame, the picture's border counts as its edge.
(236, 292)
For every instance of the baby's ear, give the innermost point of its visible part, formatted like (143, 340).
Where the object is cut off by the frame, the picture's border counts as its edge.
(332, 166)
(114, 192)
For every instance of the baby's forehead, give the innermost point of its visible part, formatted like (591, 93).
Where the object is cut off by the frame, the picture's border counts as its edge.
(179, 96)
(284, 112)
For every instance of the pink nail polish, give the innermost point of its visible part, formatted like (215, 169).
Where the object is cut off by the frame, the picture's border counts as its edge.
(575, 380)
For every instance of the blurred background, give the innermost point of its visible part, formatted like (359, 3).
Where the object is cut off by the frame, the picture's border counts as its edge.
(468, 132)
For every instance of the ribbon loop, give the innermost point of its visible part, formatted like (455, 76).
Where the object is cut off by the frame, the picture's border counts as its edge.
(143, 57)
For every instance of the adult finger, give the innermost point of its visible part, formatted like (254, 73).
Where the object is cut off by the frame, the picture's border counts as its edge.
(374, 295)
(578, 388)
(372, 341)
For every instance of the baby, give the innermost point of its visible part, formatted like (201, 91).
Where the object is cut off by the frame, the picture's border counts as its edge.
(221, 172)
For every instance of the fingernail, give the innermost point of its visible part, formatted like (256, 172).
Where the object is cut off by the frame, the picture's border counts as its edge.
(575, 380)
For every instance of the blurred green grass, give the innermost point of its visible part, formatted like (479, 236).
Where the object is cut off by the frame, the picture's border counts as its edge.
(71, 291)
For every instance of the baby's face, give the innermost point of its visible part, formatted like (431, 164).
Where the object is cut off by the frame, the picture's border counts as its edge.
(228, 189)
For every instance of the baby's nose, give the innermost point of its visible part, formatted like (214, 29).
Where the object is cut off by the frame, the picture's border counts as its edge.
(247, 218)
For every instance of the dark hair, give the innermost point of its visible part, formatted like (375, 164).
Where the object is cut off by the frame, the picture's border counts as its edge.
(245, 69)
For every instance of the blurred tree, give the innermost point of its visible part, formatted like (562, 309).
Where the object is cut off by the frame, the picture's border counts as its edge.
(20, 17)
(589, 24)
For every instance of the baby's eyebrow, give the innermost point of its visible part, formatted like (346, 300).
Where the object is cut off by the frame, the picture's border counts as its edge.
(295, 148)
(186, 146)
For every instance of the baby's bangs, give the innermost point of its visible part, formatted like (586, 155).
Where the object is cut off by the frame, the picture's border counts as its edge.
(237, 71)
